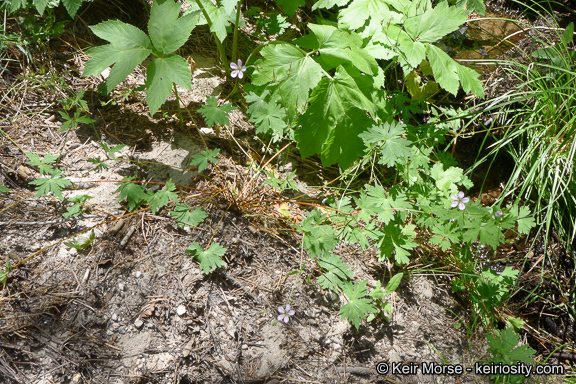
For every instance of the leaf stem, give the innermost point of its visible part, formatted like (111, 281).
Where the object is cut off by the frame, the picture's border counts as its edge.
(221, 48)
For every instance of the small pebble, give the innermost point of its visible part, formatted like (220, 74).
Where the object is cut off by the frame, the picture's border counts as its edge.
(114, 317)
(139, 323)
(121, 287)
(181, 310)
(138, 274)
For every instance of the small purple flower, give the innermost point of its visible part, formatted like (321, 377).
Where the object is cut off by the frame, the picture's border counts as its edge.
(285, 313)
(459, 201)
(238, 69)
(498, 214)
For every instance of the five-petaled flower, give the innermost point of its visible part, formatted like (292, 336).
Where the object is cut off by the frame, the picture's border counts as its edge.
(238, 69)
(459, 201)
(285, 313)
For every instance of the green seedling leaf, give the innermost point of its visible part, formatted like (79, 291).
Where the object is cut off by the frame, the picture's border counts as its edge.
(394, 283)
(184, 216)
(83, 243)
(357, 307)
(377, 293)
(55, 184)
(4, 189)
(319, 240)
(214, 114)
(162, 198)
(43, 165)
(131, 192)
(209, 259)
(525, 219)
(220, 19)
(76, 207)
(201, 160)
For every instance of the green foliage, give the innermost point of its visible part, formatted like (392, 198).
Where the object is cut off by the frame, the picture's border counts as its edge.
(71, 6)
(161, 198)
(55, 184)
(378, 295)
(357, 307)
(184, 216)
(83, 243)
(77, 205)
(505, 350)
(71, 122)
(209, 259)
(201, 160)
(4, 189)
(214, 114)
(281, 184)
(336, 272)
(5, 271)
(44, 165)
(132, 192)
(129, 46)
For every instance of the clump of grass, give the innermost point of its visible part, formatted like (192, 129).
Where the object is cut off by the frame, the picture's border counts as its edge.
(540, 130)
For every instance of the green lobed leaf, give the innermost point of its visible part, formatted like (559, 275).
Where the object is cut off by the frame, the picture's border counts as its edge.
(268, 117)
(388, 137)
(334, 265)
(184, 216)
(295, 71)
(214, 114)
(4, 189)
(131, 192)
(55, 184)
(43, 165)
(161, 198)
(121, 35)
(435, 23)
(357, 307)
(72, 6)
(472, 6)
(167, 31)
(160, 75)
(444, 68)
(290, 6)
(219, 17)
(209, 259)
(360, 11)
(41, 5)
(506, 350)
(201, 160)
(328, 3)
(335, 118)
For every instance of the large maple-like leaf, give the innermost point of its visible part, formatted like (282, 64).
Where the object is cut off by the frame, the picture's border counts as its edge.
(357, 307)
(359, 12)
(389, 138)
(334, 119)
(435, 23)
(296, 72)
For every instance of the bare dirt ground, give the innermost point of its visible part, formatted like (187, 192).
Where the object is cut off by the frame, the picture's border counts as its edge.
(135, 308)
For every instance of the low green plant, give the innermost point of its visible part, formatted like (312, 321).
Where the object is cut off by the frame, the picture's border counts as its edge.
(82, 243)
(71, 6)
(54, 184)
(77, 206)
(505, 350)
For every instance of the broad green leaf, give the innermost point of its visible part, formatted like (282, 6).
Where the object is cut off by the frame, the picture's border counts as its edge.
(290, 6)
(320, 240)
(394, 283)
(383, 203)
(296, 72)
(505, 349)
(360, 11)
(472, 6)
(568, 34)
(446, 178)
(444, 68)
(418, 90)
(121, 35)
(357, 307)
(469, 80)
(72, 6)
(525, 220)
(209, 259)
(214, 114)
(160, 75)
(389, 139)
(184, 216)
(444, 235)
(43, 165)
(398, 243)
(229, 5)
(4, 189)
(41, 5)
(435, 23)
(334, 119)
(328, 3)
(167, 31)
(333, 264)
(219, 17)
